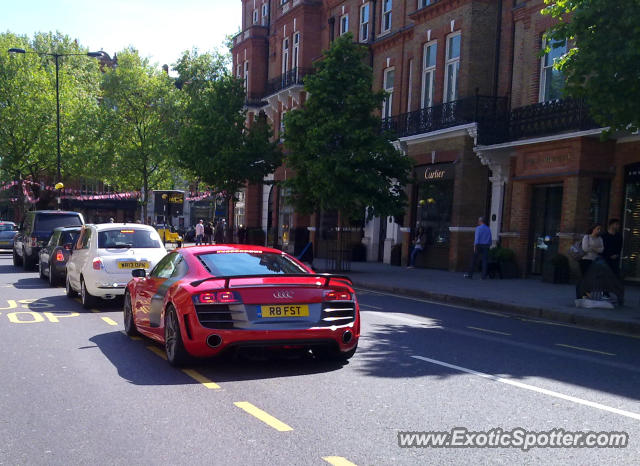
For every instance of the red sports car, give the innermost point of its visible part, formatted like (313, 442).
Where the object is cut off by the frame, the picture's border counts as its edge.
(202, 300)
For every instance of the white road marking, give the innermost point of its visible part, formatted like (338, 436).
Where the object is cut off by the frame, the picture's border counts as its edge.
(407, 320)
(429, 301)
(532, 388)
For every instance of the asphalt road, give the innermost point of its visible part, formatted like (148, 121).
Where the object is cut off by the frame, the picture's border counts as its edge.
(76, 390)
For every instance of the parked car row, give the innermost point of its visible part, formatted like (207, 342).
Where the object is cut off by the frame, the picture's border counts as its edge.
(198, 301)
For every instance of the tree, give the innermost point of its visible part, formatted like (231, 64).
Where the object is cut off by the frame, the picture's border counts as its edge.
(215, 143)
(28, 107)
(602, 64)
(342, 161)
(138, 106)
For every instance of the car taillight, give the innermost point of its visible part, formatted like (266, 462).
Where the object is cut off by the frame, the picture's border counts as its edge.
(59, 256)
(219, 297)
(97, 263)
(337, 296)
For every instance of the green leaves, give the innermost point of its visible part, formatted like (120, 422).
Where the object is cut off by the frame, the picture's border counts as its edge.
(213, 142)
(603, 62)
(340, 158)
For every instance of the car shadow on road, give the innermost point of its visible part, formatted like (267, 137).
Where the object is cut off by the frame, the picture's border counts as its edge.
(135, 363)
(387, 352)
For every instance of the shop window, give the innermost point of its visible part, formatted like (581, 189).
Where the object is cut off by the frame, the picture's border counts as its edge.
(599, 206)
(551, 80)
(433, 213)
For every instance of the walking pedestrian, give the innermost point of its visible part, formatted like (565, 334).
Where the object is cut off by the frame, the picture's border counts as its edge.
(418, 247)
(208, 233)
(612, 242)
(592, 246)
(481, 245)
(199, 232)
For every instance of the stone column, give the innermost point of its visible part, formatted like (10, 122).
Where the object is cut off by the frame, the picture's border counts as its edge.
(498, 163)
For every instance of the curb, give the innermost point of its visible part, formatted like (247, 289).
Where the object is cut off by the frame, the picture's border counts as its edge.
(592, 323)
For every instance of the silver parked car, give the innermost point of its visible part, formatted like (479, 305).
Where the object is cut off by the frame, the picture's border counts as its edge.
(7, 231)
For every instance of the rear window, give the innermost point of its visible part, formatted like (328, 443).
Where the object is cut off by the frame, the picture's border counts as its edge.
(128, 238)
(47, 222)
(6, 226)
(235, 263)
(69, 237)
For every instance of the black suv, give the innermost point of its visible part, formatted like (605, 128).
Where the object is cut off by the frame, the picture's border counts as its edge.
(35, 231)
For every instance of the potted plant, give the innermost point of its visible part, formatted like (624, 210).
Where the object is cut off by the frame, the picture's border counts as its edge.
(556, 269)
(504, 259)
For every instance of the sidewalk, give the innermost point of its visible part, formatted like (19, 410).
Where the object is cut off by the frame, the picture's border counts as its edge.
(530, 297)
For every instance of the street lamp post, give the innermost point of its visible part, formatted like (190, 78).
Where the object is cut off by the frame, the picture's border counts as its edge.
(56, 57)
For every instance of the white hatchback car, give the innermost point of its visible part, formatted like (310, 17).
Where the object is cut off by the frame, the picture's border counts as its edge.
(104, 256)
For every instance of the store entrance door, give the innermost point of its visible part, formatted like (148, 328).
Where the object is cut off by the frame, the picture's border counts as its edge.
(631, 225)
(546, 213)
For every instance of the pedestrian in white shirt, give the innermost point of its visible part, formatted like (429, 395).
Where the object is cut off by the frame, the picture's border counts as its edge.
(592, 246)
(199, 232)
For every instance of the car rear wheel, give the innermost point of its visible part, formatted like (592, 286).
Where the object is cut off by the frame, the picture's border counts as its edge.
(17, 260)
(88, 300)
(71, 293)
(129, 323)
(52, 278)
(174, 347)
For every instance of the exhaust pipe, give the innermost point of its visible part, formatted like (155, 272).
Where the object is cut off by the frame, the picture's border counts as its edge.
(214, 341)
(347, 336)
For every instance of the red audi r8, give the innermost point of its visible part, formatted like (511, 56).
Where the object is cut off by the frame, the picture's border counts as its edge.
(202, 300)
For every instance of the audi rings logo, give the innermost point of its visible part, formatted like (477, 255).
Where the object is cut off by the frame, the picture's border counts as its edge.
(283, 294)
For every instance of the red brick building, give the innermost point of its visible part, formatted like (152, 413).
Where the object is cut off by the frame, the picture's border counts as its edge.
(553, 175)
(475, 107)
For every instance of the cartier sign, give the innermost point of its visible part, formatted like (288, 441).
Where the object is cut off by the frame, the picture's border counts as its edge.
(435, 172)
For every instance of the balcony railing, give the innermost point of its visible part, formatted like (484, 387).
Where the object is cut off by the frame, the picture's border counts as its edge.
(290, 78)
(458, 112)
(538, 120)
(255, 99)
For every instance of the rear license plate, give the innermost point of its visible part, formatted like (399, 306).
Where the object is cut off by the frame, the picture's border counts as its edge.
(5, 242)
(133, 265)
(285, 310)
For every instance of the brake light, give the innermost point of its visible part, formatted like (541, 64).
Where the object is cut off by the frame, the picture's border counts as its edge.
(220, 297)
(59, 256)
(227, 297)
(97, 263)
(207, 298)
(337, 296)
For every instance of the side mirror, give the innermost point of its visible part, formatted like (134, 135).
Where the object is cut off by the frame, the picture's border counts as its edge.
(139, 273)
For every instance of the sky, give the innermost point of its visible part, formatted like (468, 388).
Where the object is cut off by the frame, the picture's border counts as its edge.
(159, 29)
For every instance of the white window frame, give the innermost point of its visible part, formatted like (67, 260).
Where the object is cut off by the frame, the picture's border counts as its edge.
(296, 52)
(281, 129)
(448, 63)
(344, 24)
(239, 70)
(428, 74)
(364, 25)
(246, 76)
(265, 14)
(255, 16)
(285, 55)
(386, 19)
(387, 104)
(542, 97)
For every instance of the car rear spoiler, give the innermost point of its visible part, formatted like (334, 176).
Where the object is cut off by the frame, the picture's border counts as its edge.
(327, 277)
